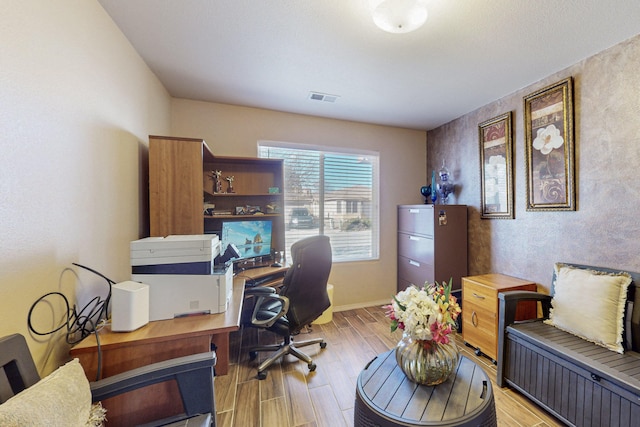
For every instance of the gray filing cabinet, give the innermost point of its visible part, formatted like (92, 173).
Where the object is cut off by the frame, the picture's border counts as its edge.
(432, 244)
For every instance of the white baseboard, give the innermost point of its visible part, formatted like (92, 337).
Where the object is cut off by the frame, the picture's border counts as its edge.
(361, 305)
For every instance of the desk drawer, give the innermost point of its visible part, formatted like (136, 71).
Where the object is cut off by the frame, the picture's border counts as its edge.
(481, 296)
(479, 329)
(414, 271)
(415, 247)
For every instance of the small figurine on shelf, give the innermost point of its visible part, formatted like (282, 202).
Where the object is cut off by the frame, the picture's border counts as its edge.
(209, 208)
(230, 187)
(273, 207)
(217, 182)
(446, 186)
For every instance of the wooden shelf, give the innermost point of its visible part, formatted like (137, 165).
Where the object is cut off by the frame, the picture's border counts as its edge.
(241, 216)
(242, 194)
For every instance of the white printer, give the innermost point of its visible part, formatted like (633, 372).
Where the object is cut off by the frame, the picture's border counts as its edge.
(181, 275)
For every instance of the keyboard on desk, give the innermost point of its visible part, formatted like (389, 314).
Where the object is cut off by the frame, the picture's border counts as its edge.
(257, 282)
(275, 278)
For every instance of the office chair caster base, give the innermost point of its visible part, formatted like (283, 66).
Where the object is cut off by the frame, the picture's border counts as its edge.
(253, 355)
(262, 375)
(323, 345)
(312, 367)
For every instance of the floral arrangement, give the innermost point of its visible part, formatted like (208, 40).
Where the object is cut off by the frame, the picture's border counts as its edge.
(427, 314)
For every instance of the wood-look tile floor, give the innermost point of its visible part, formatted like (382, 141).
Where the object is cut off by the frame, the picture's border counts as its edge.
(292, 396)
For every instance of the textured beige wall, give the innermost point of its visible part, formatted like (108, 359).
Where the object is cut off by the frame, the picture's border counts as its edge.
(605, 229)
(77, 103)
(235, 131)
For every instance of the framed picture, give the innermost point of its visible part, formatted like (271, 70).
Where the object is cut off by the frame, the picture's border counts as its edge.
(549, 146)
(496, 170)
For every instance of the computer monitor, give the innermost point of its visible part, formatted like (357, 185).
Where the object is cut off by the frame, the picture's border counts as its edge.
(252, 238)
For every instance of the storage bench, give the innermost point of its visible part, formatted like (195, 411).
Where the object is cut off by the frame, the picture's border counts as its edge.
(581, 383)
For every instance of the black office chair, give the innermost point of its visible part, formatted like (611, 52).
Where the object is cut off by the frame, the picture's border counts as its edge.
(302, 299)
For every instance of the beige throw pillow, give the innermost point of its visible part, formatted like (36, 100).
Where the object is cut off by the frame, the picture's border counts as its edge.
(61, 399)
(590, 304)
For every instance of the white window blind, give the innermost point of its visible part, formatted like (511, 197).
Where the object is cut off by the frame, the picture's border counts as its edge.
(338, 189)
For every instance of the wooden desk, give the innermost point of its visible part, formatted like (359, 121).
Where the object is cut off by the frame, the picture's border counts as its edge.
(157, 341)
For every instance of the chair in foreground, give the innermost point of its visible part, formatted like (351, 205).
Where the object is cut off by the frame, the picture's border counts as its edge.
(302, 299)
(65, 396)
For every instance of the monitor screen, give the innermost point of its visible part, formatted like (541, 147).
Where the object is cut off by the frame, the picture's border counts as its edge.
(252, 238)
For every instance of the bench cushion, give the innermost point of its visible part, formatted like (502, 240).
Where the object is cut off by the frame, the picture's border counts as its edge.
(590, 304)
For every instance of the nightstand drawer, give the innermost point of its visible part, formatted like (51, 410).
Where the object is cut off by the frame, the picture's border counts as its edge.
(481, 296)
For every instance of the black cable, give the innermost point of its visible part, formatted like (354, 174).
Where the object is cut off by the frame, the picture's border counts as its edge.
(81, 322)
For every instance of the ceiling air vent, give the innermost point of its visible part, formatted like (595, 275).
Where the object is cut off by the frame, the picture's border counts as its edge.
(317, 96)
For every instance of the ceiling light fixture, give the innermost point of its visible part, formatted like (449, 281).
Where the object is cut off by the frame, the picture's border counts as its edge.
(399, 16)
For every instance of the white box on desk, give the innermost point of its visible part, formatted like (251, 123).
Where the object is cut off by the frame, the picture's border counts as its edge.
(176, 254)
(178, 295)
(129, 306)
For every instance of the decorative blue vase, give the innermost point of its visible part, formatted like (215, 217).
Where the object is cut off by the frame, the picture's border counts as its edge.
(426, 193)
(434, 188)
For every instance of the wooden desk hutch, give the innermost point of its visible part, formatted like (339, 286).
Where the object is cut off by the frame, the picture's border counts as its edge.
(181, 182)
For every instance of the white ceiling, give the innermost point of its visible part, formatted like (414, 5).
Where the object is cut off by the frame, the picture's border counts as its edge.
(272, 53)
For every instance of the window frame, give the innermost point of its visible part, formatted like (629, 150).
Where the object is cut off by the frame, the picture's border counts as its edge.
(346, 206)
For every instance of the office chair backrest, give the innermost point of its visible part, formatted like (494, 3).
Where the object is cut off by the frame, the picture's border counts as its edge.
(17, 369)
(305, 283)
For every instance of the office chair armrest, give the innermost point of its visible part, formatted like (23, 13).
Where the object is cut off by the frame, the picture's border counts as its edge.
(194, 375)
(259, 290)
(259, 308)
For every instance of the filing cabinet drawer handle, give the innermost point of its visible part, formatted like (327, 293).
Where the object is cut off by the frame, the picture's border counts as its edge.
(474, 318)
(478, 296)
(417, 239)
(414, 263)
(414, 211)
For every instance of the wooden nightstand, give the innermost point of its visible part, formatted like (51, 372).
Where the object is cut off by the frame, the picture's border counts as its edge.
(480, 309)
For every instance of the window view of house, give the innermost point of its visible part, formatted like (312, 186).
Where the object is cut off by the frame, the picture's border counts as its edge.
(331, 193)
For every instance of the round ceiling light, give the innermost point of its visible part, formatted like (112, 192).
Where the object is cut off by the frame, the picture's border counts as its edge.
(399, 16)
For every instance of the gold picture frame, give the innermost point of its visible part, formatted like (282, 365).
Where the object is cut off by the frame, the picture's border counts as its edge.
(496, 168)
(549, 146)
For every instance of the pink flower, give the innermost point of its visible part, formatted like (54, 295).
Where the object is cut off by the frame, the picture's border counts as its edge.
(440, 333)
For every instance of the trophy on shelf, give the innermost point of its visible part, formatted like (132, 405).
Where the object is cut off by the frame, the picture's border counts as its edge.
(230, 186)
(217, 182)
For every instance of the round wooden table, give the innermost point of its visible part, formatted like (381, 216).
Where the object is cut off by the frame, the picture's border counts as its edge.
(385, 397)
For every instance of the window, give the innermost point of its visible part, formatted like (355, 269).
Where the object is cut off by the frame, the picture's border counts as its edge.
(330, 192)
